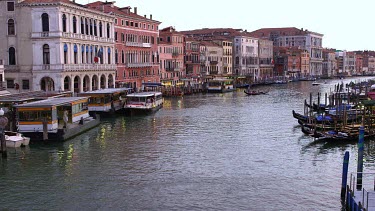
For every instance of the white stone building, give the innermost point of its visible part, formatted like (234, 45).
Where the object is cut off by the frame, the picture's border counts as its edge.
(246, 57)
(56, 45)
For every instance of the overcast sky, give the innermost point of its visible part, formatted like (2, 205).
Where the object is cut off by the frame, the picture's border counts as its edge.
(346, 25)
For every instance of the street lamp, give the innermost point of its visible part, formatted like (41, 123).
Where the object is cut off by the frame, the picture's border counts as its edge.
(3, 123)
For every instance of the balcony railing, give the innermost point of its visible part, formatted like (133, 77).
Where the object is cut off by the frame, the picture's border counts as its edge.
(57, 34)
(147, 64)
(175, 54)
(214, 62)
(74, 67)
(136, 44)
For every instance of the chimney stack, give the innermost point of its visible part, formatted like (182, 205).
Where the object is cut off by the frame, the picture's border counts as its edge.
(150, 16)
(144, 16)
(135, 10)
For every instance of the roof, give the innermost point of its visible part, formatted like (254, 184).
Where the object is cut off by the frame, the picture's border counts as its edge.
(51, 102)
(106, 91)
(144, 94)
(109, 7)
(51, 1)
(286, 31)
(36, 95)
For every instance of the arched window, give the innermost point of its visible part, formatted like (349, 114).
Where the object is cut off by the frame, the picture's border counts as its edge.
(64, 22)
(95, 29)
(65, 53)
(74, 24)
(82, 53)
(87, 54)
(122, 37)
(12, 56)
(87, 26)
(75, 49)
(109, 56)
(123, 57)
(82, 26)
(11, 28)
(45, 22)
(108, 30)
(46, 56)
(91, 27)
(116, 56)
(100, 29)
(101, 55)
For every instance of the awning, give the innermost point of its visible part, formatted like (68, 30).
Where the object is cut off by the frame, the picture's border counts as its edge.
(149, 84)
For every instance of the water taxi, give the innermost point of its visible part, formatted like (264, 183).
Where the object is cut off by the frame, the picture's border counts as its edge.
(220, 85)
(106, 100)
(54, 119)
(143, 102)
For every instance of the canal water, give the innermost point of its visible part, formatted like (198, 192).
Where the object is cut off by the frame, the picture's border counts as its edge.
(202, 152)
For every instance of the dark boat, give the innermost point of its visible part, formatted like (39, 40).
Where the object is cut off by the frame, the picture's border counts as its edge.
(254, 92)
(242, 85)
(300, 117)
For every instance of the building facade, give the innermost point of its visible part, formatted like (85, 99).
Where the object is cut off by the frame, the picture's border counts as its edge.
(65, 46)
(329, 64)
(293, 37)
(192, 60)
(136, 53)
(246, 59)
(170, 36)
(265, 59)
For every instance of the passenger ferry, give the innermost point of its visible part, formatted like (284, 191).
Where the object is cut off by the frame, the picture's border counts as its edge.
(55, 118)
(143, 102)
(220, 85)
(106, 100)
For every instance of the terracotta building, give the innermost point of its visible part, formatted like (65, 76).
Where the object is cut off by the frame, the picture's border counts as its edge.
(192, 60)
(136, 53)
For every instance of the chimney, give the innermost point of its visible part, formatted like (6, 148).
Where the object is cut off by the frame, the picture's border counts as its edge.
(150, 16)
(135, 10)
(144, 16)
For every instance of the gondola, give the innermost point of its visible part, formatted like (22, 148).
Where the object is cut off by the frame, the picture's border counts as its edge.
(254, 92)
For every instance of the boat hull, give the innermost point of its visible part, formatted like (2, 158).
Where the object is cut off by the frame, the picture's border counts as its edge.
(141, 111)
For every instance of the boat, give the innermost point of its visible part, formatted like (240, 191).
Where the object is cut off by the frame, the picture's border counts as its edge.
(143, 102)
(55, 119)
(254, 92)
(106, 100)
(316, 84)
(242, 85)
(25, 140)
(13, 141)
(219, 85)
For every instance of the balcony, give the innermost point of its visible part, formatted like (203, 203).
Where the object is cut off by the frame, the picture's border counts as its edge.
(74, 67)
(173, 69)
(148, 64)
(175, 54)
(57, 34)
(214, 62)
(136, 44)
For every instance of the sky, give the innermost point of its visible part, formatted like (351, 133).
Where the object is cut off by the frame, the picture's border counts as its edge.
(346, 25)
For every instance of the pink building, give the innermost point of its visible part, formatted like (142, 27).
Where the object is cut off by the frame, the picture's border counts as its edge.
(136, 53)
(173, 67)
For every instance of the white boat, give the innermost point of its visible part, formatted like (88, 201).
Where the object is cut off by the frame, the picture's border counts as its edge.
(220, 85)
(316, 84)
(143, 102)
(25, 140)
(13, 141)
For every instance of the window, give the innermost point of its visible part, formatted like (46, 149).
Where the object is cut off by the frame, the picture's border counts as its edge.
(100, 29)
(131, 23)
(115, 20)
(136, 25)
(109, 56)
(82, 26)
(75, 49)
(46, 54)
(122, 37)
(122, 22)
(64, 22)
(108, 30)
(95, 29)
(116, 56)
(74, 24)
(122, 57)
(115, 36)
(11, 29)
(65, 54)
(45, 22)
(91, 27)
(87, 26)
(12, 56)
(25, 84)
(10, 84)
(127, 23)
(10, 6)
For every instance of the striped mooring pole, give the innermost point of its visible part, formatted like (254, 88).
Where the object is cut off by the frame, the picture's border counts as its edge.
(344, 175)
(360, 157)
